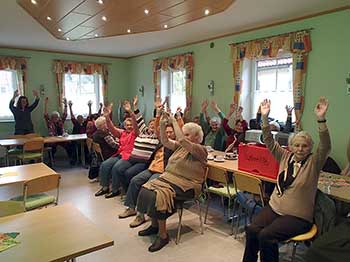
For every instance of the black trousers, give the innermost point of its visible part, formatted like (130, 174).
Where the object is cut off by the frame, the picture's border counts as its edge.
(267, 230)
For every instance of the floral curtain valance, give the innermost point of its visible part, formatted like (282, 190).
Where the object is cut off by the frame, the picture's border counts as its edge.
(19, 64)
(296, 43)
(64, 67)
(177, 62)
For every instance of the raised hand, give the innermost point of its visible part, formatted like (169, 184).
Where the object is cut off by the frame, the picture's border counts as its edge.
(89, 103)
(35, 93)
(289, 110)
(135, 102)
(157, 103)
(214, 106)
(233, 108)
(46, 100)
(101, 105)
(321, 108)
(64, 101)
(127, 106)
(204, 106)
(106, 111)
(15, 94)
(265, 107)
(70, 103)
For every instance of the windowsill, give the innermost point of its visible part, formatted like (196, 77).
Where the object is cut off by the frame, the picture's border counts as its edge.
(7, 120)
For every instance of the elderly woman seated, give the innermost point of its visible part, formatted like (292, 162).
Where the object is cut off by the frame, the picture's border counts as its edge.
(181, 180)
(291, 206)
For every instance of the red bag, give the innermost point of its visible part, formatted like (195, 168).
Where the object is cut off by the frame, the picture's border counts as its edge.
(257, 159)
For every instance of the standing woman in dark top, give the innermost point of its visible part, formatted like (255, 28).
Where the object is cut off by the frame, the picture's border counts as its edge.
(22, 113)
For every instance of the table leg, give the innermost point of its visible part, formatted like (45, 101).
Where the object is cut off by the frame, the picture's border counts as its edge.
(82, 150)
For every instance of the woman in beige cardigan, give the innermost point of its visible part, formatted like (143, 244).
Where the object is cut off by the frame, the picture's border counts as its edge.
(181, 180)
(290, 209)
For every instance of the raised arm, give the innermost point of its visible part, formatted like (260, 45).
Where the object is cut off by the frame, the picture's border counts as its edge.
(187, 110)
(171, 144)
(72, 117)
(288, 127)
(203, 117)
(271, 144)
(65, 105)
(117, 132)
(324, 147)
(127, 108)
(12, 101)
(45, 106)
(89, 107)
(229, 131)
(36, 101)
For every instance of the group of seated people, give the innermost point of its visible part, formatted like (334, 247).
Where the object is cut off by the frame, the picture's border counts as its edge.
(163, 162)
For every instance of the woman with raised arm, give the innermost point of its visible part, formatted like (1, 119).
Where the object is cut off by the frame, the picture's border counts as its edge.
(22, 113)
(181, 180)
(291, 206)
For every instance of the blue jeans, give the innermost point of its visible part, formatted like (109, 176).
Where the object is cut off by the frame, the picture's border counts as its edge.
(135, 186)
(106, 170)
(124, 170)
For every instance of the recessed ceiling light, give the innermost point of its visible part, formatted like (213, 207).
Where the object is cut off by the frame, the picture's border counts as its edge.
(49, 18)
(104, 18)
(146, 11)
(206, 12)
(67, 38)
(129, 31)
(96, 35)
(165, 26)
(100, 2)
(59, 30)
(34, 2)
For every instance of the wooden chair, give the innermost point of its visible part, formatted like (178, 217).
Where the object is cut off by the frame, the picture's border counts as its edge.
(8, 208)
(98, 151)
(226, 190)
(89, 142)
(34, 195)
(301, 238)
(246, 183)
(32, 150)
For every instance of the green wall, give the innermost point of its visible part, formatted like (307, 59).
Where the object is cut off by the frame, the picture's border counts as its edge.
(40, 72)
(329, 65)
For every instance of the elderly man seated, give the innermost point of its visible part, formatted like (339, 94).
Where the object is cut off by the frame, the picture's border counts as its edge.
(181, 180)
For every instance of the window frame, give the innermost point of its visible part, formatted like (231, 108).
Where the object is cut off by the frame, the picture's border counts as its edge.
(98, 92)
(10, 118)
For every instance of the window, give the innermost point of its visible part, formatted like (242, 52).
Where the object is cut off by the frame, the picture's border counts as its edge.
(274, 81)
(8, 84)
(82, 88)
(173, 84)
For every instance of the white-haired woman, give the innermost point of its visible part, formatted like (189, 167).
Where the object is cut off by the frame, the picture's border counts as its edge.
(108, 143)
(291, 206)
(181, 180)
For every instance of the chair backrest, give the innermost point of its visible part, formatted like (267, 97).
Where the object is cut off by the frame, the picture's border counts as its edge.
(41, 184)
(35, 144)
(217, 175)
(89, 142)
(96, 147)
(248, 183)
(8, 208)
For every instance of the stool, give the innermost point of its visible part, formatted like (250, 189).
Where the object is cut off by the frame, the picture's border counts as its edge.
(300, 238)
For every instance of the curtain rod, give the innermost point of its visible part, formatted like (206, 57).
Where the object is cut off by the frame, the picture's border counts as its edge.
(188, 53)
(26, 57)
(83, 62)
(300, 30)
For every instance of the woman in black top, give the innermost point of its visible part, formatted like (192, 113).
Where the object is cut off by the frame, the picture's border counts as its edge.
(22, 113)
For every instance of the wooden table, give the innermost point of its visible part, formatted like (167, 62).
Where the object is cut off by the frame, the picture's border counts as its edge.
(341, 193)
(47, 140)
(58, 233)
(20, 174)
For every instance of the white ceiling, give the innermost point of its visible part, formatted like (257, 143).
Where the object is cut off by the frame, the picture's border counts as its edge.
(19, 29)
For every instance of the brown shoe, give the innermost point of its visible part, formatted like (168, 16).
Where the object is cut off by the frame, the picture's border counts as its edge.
(128, 213)
(137, 221)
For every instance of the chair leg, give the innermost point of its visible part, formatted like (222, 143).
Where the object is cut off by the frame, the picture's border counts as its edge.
(200, 215)
(223, 205)
(180, 211)
(233, 215)
(238, 218)
(229, 209)
(206, 209)
(295, 244)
